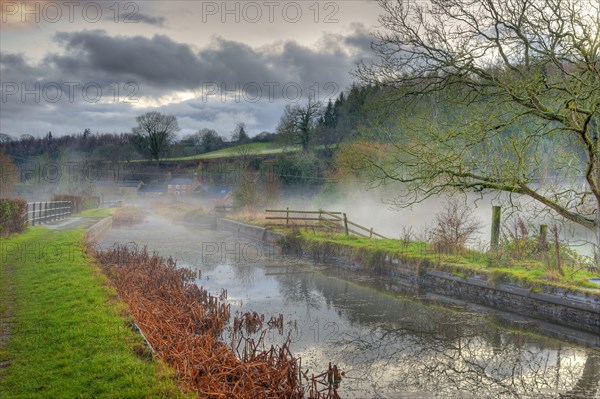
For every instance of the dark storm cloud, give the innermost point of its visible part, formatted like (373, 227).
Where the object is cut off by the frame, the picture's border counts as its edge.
(360, 39)
(158, 66)
(159, 62)
(16, 63)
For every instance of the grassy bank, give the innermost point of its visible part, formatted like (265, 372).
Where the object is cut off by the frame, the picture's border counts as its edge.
(497, 267)
(69, 336)
(530, 273)
(95, 213)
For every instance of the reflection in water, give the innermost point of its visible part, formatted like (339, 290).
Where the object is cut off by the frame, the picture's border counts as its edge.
(389, 347)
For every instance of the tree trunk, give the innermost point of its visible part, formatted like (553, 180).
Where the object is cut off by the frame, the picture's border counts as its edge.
(597, 245)
(597, 227)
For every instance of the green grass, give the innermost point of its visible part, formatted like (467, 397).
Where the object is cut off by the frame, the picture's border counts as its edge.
(233, 152)
(532, 273)
(249, 149)
(95, 213)
(70, 337)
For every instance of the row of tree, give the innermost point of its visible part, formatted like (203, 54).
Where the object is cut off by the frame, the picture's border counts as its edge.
(155, 135)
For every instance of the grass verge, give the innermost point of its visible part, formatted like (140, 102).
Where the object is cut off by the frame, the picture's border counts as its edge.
(69, 335)
(530, 273)
(95, 213)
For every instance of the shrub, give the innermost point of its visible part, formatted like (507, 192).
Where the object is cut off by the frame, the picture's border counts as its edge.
(13, 216)
(518, 243)
(127, 216)
(453, 228)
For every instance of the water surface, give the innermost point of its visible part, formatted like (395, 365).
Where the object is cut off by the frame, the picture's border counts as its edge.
(389, 346)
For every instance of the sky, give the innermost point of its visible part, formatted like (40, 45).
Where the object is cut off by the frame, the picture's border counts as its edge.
(70, 65)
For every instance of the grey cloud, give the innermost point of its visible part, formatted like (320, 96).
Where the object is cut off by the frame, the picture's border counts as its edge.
(161, 63)
(160, 66)
(360, 39)
(144, 18)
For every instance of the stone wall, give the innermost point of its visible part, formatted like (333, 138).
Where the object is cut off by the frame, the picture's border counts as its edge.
(577, 311)
(97, 230)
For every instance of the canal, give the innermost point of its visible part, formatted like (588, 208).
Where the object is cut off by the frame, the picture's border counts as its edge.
(389, 346)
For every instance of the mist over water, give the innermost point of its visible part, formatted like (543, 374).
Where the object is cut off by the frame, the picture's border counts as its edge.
(376, 208)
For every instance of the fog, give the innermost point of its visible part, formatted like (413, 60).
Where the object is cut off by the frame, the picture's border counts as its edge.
(376, 208)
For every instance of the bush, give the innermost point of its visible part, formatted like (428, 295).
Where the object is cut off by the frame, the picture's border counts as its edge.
(127, 216)
(453, 228)
(13, 216)
(518, 243)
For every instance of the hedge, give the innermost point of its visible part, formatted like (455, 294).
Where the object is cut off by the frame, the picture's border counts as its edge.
(13, 216)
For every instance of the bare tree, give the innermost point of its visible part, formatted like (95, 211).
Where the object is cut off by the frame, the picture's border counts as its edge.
(298, 122)
(156, 132)
(522, 79)
(454, 227)
(5, 138)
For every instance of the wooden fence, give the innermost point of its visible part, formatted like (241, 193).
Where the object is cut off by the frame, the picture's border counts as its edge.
(323, 220)
(224, 209)
(46, 212)
(111, 203)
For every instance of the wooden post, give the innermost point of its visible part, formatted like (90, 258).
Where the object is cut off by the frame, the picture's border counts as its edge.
(496, 212)
(45, 212)
(346, 223)
(371, 233)
(543, 242)
(33, 214)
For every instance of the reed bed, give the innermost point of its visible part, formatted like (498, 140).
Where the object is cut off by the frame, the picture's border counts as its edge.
(183, 324)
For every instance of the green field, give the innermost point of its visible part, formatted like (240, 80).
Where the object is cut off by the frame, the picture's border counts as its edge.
(246, 149)
(68, 335)
(251, 149)
(237, 151)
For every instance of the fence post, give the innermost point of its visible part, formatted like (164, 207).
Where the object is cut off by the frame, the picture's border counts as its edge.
(45, 212)
(496, 212)
(371, 233)
(287, 216)
(33, 214)
(346, 223)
